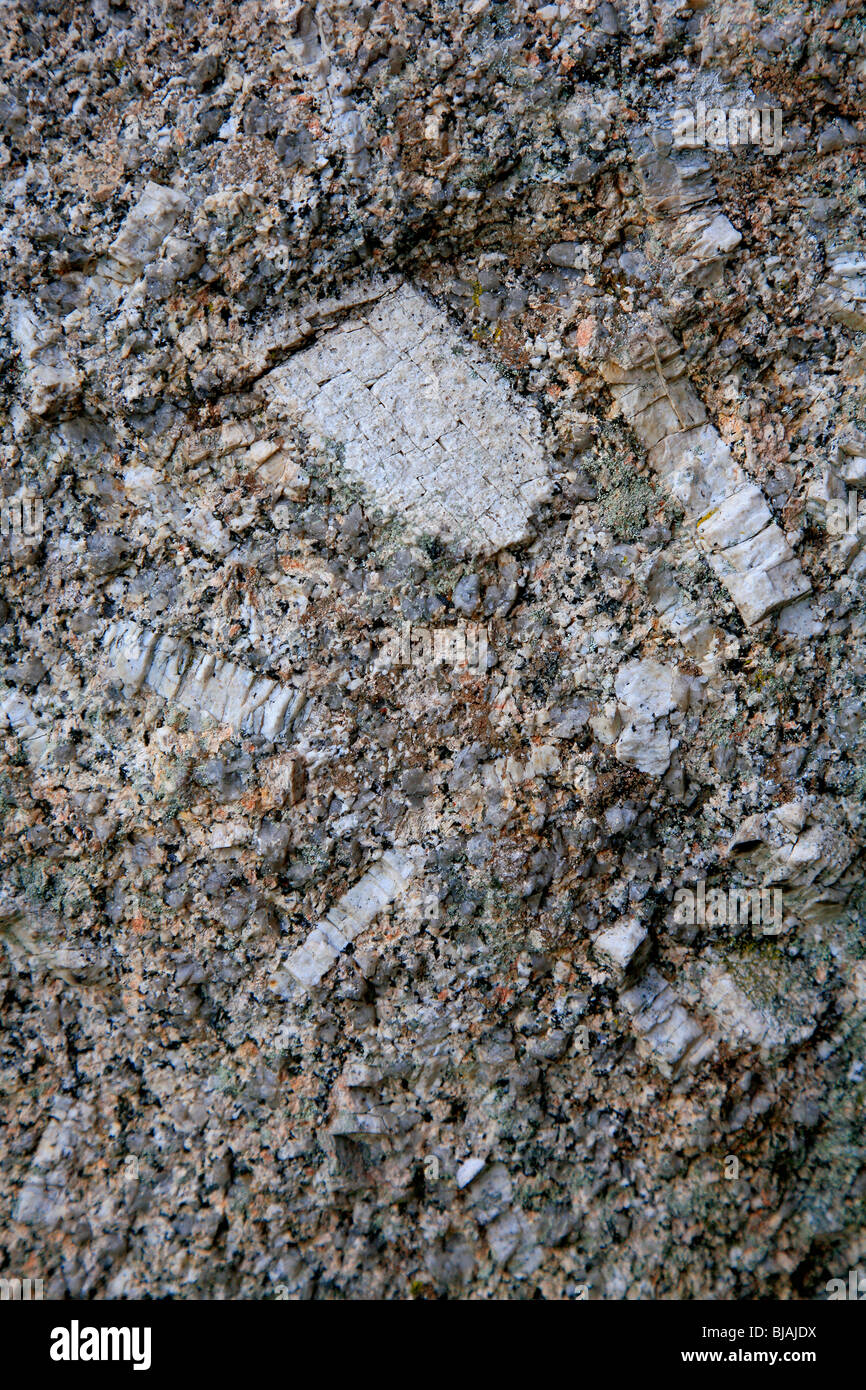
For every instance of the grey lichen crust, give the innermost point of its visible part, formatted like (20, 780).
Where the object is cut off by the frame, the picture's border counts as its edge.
(432, 756)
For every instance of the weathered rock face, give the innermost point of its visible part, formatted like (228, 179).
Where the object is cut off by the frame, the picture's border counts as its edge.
(432, 634)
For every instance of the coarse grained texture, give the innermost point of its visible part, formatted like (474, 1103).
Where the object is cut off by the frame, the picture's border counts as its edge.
(432, 752)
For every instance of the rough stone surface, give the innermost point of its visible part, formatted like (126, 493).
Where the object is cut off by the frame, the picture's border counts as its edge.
(432, 665)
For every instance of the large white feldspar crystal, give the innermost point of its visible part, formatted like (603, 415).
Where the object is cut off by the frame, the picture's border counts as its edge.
(17, 709)
(350, 915)
(143, 231)
(52, 379)
(197, 680)
(754, 1021)
(622, 945)
(679, 194)
(743, 545)
(647, 693)
(842, 296)
(665, 1031)
(429, 427)
(651, 689)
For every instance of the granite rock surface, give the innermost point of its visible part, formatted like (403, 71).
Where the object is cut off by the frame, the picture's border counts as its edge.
(432, 663)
